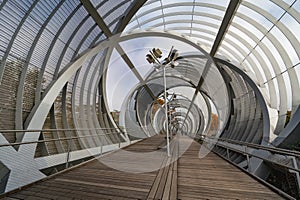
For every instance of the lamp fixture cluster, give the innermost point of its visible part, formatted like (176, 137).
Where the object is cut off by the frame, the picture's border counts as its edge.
(156, 54)
(153, 58)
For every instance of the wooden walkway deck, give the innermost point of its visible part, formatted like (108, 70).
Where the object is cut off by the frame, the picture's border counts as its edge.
(187, 178)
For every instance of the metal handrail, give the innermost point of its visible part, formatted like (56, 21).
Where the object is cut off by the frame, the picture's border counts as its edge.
(262, 158)
(55, 130)
(261, 147)
(53, 140)
(59, 139)
(293, 154)
(111, 131)
(280, 192)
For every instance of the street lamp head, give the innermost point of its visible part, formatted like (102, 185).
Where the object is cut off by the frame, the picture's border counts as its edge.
(157, 52)
(166, 61)
(150, 58)
(174, 54)
(156, 66)
(174, 64)
(153, 57)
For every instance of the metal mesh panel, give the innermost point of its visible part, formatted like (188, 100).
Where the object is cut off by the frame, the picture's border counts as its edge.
(8, 88)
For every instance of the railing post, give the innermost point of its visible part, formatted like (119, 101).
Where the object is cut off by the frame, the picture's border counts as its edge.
(101, 143)
(119, 140)
(296, 167)
(248, 163)
(68, 153)
(248, 159)
(227, 152)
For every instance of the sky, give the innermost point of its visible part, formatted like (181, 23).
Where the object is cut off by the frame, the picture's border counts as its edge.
(119, 77)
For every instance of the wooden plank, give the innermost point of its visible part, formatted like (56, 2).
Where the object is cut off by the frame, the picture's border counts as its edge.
(186, 178)
(168, 184)
(101, 185)
(163, 184)
(72, 190)
(157, 181)
(173, 191)
(163, 180)
(170, 191)
(214, 178)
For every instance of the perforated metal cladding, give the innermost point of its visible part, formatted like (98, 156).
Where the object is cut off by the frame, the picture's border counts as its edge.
(246, 116)
(44, 37)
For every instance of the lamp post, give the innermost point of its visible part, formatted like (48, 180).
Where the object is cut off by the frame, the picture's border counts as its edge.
(153, 58)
